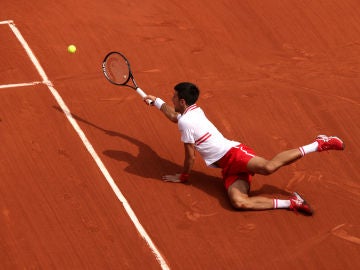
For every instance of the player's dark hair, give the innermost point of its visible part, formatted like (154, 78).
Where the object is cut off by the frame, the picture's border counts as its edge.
(187, 91)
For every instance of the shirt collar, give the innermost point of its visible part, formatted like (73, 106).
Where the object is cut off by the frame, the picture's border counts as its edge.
(190, 108)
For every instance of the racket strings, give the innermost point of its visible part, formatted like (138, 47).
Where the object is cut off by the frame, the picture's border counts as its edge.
(117, 69)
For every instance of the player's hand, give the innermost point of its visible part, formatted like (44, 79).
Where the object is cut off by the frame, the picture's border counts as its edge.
(149, 98)
(172, 178)
(175, 178)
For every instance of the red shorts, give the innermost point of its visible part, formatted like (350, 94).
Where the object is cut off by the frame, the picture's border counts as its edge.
(234, 164)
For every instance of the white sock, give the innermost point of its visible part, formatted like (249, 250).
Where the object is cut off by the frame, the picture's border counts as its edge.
(310, 148)
(281, 203)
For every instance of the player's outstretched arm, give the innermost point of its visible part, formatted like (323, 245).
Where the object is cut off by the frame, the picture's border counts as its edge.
(167, 110)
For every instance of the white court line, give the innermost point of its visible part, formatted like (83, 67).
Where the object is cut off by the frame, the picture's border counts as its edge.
(29, 52)
(19, 84)
(6, 22)
(89, 147)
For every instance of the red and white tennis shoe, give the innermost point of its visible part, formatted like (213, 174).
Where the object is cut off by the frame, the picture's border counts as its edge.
(298, 204)
(329, 143)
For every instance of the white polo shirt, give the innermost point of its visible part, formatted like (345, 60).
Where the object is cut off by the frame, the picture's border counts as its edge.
(197, 129)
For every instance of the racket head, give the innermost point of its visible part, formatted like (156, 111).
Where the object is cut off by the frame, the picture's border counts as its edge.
(116, 68)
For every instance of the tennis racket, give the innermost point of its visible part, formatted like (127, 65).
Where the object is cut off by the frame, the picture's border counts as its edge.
(116, 69)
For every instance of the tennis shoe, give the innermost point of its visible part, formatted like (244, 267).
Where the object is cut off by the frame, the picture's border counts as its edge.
(329, 143)
(298, 204)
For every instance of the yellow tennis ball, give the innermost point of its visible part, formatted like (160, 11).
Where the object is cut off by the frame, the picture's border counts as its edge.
(72, 49)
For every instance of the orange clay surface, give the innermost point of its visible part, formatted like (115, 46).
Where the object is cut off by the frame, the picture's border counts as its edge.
(272, 74)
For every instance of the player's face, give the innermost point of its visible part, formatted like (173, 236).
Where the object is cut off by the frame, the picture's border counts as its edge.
(176, 102)
(179, 104)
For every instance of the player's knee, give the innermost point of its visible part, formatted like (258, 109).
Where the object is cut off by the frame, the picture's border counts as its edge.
(240, 204)
(269, 168)
(262, 166)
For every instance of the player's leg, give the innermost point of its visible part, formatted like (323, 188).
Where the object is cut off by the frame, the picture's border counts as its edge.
(260, 165)
(263, 166)
(237, 180)
(239, 198)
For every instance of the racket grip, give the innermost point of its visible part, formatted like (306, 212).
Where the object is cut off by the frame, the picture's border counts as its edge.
(142, 94)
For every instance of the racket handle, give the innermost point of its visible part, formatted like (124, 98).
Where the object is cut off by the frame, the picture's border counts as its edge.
(142, 94)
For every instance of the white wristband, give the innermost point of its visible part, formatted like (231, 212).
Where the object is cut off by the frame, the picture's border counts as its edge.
(158, 103)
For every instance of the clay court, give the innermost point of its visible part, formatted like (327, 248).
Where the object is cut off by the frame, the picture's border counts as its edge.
(82, 159)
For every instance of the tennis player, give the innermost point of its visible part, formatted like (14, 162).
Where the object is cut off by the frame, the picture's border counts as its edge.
(237, 161)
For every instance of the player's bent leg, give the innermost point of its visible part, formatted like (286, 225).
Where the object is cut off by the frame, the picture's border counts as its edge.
(259, 165)
(238, 194)
(262, 166)
(239, 198)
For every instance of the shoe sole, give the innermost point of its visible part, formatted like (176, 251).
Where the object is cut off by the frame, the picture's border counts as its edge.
(342, 143)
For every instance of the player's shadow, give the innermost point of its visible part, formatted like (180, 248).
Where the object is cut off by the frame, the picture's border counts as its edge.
(148, 164)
